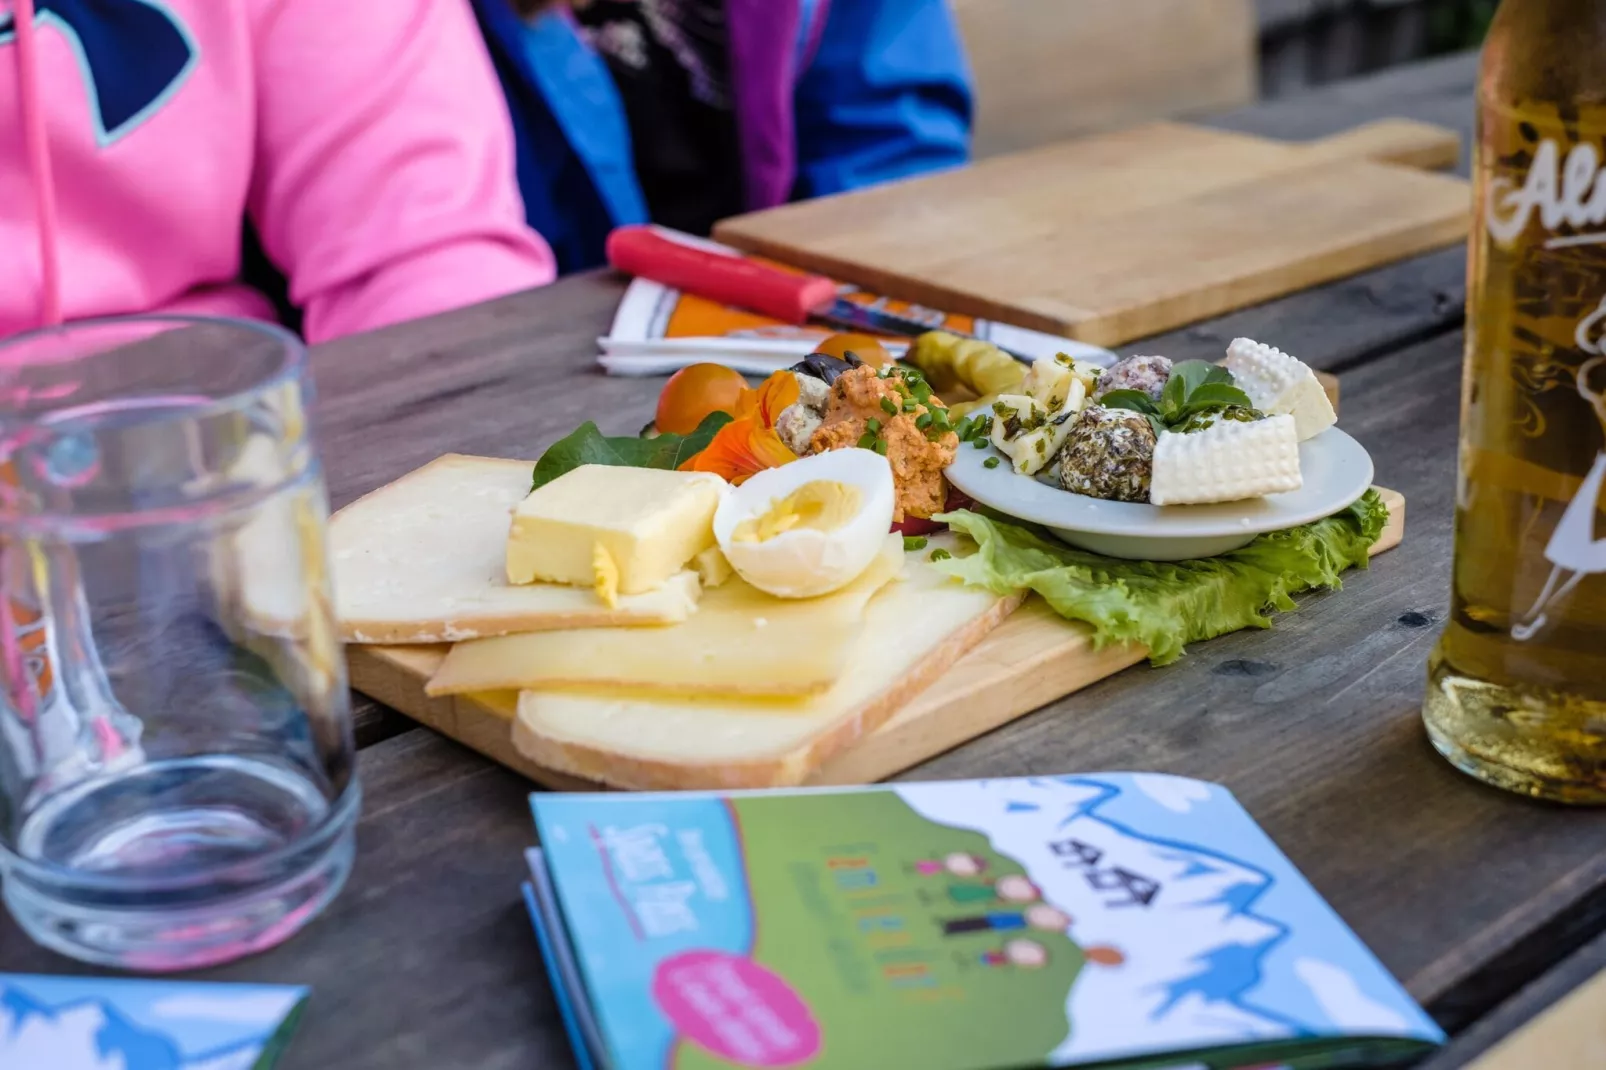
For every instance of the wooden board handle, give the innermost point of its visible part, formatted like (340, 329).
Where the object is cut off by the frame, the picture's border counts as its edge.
(1398, 141)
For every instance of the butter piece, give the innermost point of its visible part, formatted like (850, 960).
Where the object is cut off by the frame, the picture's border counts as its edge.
(607, 576)
(740, 641)
(650, 523)
(712, 568)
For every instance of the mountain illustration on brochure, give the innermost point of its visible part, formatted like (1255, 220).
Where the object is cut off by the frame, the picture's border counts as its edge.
(97, 1023)
(1128, 920)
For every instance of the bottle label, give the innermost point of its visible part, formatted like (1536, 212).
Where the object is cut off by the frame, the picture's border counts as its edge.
(1539, 294)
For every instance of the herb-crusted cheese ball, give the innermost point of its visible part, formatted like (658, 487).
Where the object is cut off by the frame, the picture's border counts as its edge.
(1109, 454)
(1145, 374)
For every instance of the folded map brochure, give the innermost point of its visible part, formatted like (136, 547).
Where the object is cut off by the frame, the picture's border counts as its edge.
(100, 1023)
(1080, 921)
(658, 329)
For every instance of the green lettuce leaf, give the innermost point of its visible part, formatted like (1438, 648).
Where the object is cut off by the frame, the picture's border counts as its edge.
(1167, 605)
(586, 445)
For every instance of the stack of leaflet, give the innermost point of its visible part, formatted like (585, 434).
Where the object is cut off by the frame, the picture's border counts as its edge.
(1081, 921)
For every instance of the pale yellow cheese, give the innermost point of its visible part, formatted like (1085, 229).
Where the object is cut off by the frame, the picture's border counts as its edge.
(740, 641)
(676, 742)
(649, 521)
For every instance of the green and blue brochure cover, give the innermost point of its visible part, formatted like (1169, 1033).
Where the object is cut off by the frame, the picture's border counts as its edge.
(1127, 920)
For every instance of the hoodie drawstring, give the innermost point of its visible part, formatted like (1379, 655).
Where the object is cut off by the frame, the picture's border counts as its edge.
(37, 151)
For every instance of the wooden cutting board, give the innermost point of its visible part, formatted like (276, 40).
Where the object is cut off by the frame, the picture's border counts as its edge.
(1120, 236)
(1030, 660)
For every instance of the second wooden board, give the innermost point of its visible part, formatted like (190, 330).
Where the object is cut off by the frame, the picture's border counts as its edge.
(1116, 237)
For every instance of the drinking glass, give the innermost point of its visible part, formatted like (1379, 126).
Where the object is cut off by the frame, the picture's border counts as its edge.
(177, 780)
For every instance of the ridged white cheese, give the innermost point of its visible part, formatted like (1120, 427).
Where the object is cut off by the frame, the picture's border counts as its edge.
(1226, 462)
(1279, 384)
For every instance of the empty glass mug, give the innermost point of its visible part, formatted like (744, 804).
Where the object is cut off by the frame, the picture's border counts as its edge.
(177, 779)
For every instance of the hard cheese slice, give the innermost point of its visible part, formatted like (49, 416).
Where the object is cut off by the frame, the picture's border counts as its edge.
(740, 641)
(914, 631)
(423, 561)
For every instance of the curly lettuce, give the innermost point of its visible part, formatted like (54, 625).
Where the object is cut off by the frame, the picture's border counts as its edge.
(1167, 605)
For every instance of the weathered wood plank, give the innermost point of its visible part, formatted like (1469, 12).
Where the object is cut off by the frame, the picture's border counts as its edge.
(1046, 70)
(1579, 972)
(1314, 725)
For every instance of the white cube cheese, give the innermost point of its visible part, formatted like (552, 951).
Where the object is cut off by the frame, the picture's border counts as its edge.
(1040, 433)
(1226, 462)
(1279, 384)
(1049, 382)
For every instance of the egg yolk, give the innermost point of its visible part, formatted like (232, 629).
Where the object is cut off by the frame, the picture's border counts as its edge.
(823, 505)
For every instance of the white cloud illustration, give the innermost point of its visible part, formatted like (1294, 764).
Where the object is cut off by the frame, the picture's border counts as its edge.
(264, 1008)
(1342, 1000)
(1172, 792)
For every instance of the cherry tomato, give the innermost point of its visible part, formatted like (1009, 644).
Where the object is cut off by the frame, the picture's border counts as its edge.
(694, 392)
(862, 346)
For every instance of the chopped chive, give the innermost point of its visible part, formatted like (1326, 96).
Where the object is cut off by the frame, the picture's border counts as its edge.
(910, 404)
(914, 542)
(867, 441)
(889, 406)
(991, 462)
(881, 446)
(979, 443)
(939, 554)
(872, 425)
(923, 421)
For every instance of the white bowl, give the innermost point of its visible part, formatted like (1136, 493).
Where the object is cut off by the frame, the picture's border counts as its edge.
(1336, 469)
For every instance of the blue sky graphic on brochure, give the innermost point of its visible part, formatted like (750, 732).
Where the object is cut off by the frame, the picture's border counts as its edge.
(97, 1023)
(1248, 948)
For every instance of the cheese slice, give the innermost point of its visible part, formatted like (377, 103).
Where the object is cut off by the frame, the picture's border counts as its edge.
(422, 560)
(920, 627)
(741, 641)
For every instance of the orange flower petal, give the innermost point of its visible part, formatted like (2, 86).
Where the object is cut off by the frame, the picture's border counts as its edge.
(772, 397)
(741, 449)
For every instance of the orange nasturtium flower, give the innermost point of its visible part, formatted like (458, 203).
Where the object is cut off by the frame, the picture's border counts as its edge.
(749, 444)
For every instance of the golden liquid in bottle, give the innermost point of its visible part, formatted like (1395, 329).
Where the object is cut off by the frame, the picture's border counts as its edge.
(1517, 686)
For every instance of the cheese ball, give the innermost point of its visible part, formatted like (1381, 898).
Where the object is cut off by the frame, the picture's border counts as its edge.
(1109, 454)
(1145, 374)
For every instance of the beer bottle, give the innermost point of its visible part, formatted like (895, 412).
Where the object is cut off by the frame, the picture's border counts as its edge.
(1517, 685)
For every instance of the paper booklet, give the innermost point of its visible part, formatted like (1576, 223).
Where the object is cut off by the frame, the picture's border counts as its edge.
(658, 330)
(101, 1023)
(1126, 920)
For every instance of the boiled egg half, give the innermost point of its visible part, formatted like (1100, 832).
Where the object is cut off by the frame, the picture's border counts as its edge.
(809, 527)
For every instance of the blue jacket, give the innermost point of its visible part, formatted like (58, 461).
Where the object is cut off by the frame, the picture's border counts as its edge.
(827, 97)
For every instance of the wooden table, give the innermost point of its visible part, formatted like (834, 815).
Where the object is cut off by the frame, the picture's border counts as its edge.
(1475, 899)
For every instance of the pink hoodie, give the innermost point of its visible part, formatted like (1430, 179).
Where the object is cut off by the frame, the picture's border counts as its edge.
(366, 139)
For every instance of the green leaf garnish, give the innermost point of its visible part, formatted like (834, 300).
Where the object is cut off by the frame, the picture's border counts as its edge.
(1215, 396)
(587, 445)
(1195, 388)
(1136, 400)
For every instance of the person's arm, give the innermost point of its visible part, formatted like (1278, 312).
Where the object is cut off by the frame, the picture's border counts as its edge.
(887, 95)
(384, 183)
